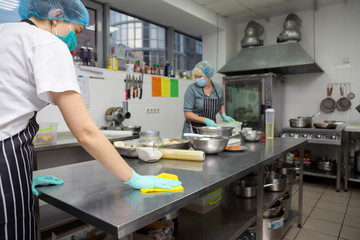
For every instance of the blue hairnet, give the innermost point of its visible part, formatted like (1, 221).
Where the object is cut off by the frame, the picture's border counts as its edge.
(206, 68)
(67, 10)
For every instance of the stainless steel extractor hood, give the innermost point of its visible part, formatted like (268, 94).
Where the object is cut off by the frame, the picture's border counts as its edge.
(283, 58)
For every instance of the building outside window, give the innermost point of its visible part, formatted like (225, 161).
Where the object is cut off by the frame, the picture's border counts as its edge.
(9, 11)
(187, 52)
(135, 39)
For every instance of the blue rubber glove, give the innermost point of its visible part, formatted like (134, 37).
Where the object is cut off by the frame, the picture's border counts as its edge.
(44, 180)
(138, 182)
(210, 123)
(227, 118)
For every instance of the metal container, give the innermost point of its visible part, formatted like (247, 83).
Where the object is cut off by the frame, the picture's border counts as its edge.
(210, 145)
(289, 170)
(244, 188)
(176, 143)
(273, 228)
(252, 135)
(326, 164)
(127, 152)
(277, 178)
(273, 211)
(134, 129)
(217, 131)
(301, 122)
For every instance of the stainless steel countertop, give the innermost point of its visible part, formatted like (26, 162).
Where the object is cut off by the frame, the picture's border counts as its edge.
(94, 195)
(67, 139)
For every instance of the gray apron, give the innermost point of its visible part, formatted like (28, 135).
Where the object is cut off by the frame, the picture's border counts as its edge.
(210, 109)
(17, 208)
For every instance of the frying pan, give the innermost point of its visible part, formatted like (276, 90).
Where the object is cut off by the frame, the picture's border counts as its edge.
(343, 103)
(328, 104)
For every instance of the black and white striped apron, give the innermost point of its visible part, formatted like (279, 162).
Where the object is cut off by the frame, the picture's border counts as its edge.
(210, 108)
(17, 208)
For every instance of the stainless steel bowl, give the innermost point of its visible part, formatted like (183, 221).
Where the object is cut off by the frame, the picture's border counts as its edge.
(217, 131)
(252, 136)
(134, 129)
(244, 188)
(210, 145)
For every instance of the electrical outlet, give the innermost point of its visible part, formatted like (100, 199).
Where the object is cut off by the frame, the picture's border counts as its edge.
(152, 110)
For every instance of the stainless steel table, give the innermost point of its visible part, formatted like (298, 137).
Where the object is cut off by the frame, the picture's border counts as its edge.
(95, 196)
(354, 177)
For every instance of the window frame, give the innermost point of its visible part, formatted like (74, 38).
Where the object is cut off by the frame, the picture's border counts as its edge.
(99, 40)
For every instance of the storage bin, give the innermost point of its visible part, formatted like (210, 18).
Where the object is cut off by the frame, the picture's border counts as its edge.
(47, 134)
(206, 203)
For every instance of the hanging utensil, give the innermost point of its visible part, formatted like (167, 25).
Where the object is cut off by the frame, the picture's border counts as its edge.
(328, 104)
(141, 85)
(343, 103)
(133, 81)
(126, 87)
(350, 95)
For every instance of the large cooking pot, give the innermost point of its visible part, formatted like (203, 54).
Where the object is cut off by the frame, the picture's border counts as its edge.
(302, 122)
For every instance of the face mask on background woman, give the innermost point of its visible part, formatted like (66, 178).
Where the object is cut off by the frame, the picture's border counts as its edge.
(200, 82)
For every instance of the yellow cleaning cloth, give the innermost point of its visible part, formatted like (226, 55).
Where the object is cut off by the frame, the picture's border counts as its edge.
(166, 176)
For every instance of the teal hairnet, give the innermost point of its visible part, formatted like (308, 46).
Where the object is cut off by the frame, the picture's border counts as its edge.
(67, 10)
(206, 68)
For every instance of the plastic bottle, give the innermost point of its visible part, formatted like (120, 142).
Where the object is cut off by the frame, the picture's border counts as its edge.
(166, 72)
(172, 70)
(269, 123)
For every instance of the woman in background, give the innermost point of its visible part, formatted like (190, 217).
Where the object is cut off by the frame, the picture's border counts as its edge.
(203, 100)
(36, 69)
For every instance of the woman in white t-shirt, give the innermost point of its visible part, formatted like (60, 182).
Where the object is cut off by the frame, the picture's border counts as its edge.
(36, 69)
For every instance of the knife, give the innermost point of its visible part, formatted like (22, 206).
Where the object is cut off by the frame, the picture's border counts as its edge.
(133, 85)
(126, 86)
(140, 85)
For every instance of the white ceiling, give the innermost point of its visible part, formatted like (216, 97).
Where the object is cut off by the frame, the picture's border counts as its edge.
(239, 11)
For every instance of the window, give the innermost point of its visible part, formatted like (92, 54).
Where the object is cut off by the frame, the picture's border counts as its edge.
(87, 39)
(137, 39)
(187, 52)
(9, 11)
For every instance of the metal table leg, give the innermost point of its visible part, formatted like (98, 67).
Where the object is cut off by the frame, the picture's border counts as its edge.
(346, 159)
(338, 169)
(259, 204)
(300, 204)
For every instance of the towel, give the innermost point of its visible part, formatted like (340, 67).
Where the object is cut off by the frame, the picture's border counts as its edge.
(166, 176)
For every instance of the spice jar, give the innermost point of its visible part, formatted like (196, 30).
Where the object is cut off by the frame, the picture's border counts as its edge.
(149, 145)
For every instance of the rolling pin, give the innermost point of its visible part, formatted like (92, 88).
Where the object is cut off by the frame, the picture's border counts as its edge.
(178, 154)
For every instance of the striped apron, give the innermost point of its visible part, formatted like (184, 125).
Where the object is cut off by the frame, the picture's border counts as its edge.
(210, 108)
(17, 208)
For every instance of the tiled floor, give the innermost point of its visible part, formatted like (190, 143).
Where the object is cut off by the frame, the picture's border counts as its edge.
(327, 214)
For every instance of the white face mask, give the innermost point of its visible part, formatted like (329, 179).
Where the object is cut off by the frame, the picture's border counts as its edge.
(200, 82)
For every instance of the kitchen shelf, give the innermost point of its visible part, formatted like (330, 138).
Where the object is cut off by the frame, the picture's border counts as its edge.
(319, 173)
(354, 177)
(228, 221)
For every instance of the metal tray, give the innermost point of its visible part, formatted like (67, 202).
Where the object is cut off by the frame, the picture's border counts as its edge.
(182, 143)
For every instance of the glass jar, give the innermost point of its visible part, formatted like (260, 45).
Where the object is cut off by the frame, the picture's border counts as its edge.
(149, 145)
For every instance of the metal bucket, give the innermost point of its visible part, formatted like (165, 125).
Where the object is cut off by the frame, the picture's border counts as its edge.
(273, 228)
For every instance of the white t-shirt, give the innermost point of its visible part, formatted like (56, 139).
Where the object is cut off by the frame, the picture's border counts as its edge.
(33, 62)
